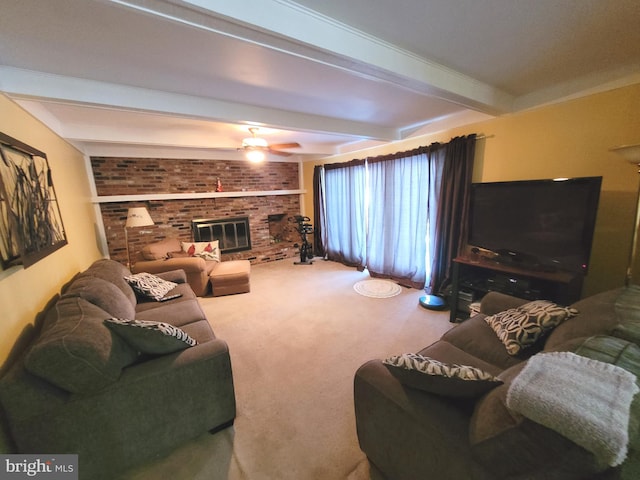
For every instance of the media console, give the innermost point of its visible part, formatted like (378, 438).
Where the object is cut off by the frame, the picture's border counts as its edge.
(473, 278)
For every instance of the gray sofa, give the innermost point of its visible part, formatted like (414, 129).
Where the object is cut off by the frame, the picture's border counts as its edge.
(408, 433)
(79, 387)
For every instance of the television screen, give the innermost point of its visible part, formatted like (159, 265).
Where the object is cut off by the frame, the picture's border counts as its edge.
(544, 223)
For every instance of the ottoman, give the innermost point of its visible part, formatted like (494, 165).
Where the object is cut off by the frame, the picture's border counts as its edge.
(230, 277)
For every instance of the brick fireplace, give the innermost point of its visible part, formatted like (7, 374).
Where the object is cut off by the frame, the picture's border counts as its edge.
(132, 177)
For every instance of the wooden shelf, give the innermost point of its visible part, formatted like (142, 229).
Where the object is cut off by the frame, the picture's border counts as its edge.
(477, 277)
(191, 196)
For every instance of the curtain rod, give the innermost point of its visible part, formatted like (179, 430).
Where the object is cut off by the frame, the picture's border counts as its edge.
(482, 137)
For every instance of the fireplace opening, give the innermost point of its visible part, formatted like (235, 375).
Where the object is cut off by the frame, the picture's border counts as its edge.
(233, 234)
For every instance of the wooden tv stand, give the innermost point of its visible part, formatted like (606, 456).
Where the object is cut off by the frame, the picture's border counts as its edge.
(473, 278)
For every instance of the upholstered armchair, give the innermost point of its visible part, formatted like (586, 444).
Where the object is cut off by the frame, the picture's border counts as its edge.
(167, 255)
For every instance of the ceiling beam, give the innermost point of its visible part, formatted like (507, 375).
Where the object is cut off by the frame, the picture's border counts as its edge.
(288, 27)
(27, 84)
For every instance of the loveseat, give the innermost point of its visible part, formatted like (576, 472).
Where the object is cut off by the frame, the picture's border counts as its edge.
(444, 430)
(116, 392)
(205, 271)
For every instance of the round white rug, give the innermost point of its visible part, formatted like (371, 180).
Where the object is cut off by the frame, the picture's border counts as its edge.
(377, 288)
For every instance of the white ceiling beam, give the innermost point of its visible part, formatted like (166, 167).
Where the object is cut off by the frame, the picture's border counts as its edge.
(322, 39)
(28, 84)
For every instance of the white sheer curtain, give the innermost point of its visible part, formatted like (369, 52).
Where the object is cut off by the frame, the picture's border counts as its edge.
(344, 222)
(397, 227)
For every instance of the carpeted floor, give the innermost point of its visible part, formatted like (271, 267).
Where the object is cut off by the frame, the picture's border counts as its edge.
(295, 342)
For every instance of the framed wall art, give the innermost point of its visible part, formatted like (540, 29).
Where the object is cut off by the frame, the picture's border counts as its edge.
(30, 222)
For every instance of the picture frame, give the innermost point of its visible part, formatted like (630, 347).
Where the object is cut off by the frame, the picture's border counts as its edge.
(30, 221)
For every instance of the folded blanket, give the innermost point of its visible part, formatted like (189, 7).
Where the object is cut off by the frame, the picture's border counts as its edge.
(585, 400)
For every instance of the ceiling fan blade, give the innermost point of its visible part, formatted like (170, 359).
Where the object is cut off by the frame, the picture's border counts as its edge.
(278, 152)
(284, 146)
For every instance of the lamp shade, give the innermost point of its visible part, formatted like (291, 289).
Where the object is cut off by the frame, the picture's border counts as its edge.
(138, 217)
(631, 153)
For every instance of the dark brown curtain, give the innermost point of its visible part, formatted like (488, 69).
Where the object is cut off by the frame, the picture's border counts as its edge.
(318, 211)
(453, 210)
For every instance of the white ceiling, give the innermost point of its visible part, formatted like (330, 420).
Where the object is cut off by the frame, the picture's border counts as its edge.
(116, 76)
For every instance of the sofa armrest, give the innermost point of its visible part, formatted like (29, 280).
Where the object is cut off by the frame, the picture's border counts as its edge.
(396, 425)
(175, 276)
(494, 302)
(194, 267)
(155, 406)
(188, 264)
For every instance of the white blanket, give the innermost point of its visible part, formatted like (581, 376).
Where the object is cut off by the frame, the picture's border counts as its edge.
(585, 400)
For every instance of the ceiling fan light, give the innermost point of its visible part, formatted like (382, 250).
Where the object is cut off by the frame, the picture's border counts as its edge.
(254, 142)
(255, 156)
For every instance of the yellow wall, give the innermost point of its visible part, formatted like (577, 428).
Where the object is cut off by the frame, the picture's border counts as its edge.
(569, 139)
(24, 292)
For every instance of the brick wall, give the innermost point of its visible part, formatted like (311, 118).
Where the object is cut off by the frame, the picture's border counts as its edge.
(134, 176)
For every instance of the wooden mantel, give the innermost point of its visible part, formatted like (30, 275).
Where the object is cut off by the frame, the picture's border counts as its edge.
(191, 196)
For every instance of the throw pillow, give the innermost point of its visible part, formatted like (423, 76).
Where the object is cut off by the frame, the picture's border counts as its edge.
(521, 327)
(150, 286)
(206, 250)
(154, 338)
(430, 375)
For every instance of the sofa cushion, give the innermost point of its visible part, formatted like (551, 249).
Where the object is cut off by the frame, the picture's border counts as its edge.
(150, 286)
(153, 338)
(76, 351)
(511, 445)
(521, 327)
(448, 353)
(178, 254)
(597, 317)
(159, 250)
(103, 294)
(477, 338)
(113, 272)
(200, 331)
(629, 332)
(178, 312)
(430, 375)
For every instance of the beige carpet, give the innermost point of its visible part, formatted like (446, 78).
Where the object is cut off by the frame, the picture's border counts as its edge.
(295, 342)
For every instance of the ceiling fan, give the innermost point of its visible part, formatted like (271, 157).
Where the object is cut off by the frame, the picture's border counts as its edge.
(256, 147)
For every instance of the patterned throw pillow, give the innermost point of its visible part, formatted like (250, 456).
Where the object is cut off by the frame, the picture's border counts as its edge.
(206, 250)
(519, 328)
(149, 285)
(153, 338)
(430, 375)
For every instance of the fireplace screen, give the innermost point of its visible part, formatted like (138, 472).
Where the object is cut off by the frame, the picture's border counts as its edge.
(232, 233)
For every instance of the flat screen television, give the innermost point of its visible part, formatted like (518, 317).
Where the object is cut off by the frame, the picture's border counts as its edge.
(547, 224)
